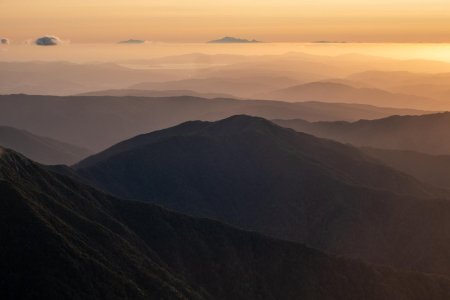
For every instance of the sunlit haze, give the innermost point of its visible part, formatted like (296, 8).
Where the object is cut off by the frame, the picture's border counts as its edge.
(200, 20)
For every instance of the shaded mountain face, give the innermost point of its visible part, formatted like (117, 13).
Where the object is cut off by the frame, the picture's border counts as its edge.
(253, 174)
(99, 122)
(426, 133)
(338, 92)
(41, 149)
(432, 169)
(63, 239)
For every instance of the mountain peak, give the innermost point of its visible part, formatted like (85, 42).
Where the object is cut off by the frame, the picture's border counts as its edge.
(245, 120)
(231, 126)
(229, 39)
(241, 123)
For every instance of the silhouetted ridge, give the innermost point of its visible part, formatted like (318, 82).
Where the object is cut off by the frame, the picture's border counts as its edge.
(39, 148)
(433, 169)
(425, 133)
(99, 122)
(255, 175)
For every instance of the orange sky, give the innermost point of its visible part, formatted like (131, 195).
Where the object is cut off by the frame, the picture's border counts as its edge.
(202, 20)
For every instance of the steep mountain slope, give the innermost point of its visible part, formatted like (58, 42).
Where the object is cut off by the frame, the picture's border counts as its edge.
(426, 133)
(338, 92)
(41, 149)
(62, 239)
(433, 169)
(251, 173)
(99, 122)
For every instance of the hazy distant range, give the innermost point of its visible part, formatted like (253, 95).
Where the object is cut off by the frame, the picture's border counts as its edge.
(96, 122)
(292, 77)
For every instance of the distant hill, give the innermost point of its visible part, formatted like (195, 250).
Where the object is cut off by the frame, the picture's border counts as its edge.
(61, 239)
(41, 149)
(338, 92)
(255, 175)
(423, 84)
(433, 169)
(427, 133)
(240, 85)
(193, 59)
(64, 78)
(132, 41)
(99, 122)
(305, 68)
(155, 93)
(232, 40)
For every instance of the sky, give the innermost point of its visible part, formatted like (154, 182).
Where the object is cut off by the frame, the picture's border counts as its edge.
(104, 21)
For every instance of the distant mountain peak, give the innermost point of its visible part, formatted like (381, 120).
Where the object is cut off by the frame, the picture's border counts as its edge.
(132, 41)
(229, 39)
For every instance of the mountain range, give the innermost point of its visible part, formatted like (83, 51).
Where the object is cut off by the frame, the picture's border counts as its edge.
(41, 149)
(65, 78)
(241, 86)
(422, 84)
(252, 174)
(338, 92)
(156, 93)
(99, 122)
(425, 133)
(433, 169)
(61, 239)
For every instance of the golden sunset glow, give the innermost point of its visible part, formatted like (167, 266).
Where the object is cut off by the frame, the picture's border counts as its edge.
(202, 20)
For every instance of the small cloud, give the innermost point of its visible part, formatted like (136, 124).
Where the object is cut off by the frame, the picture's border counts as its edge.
(48, 40)
(131, 41)
(4, 41)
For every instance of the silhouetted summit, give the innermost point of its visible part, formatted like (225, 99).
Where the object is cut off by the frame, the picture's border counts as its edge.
(256, 175)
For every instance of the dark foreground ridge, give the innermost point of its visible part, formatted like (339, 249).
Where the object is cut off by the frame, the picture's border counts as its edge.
(60, 239)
